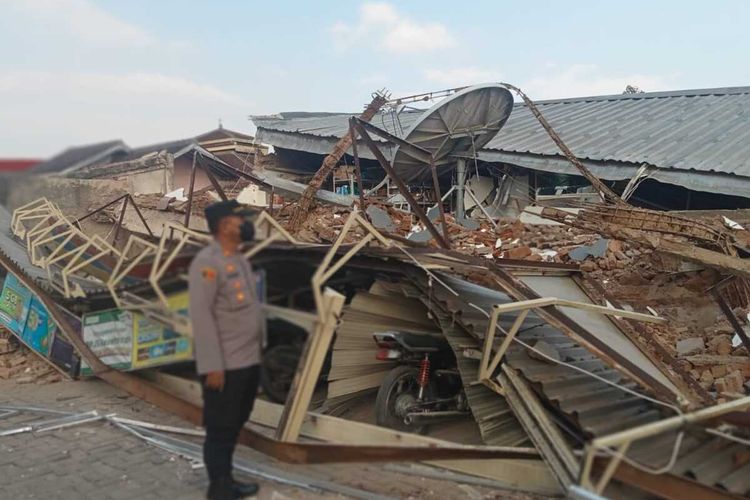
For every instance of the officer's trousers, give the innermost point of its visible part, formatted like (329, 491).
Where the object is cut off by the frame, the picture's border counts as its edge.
(224, 414)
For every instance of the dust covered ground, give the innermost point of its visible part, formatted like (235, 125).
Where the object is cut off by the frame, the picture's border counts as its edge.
(100, 461)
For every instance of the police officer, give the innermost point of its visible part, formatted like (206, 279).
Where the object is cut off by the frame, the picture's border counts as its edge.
(226, 319)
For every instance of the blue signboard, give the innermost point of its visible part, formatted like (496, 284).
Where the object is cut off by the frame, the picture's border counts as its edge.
(14, 304)
(39, 329)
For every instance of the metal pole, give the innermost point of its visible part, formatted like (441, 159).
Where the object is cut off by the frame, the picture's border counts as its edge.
(481, 207)
(122, 217)
(403, 189)
(460, 184)
(190, 192)
(357, 170)
(77, 221)
(143, 219)
(669, 424)
(214, 182)
(439, 198)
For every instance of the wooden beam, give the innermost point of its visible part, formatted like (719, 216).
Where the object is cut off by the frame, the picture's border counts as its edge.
(191, 190)
(329, 163)
(357, 170)
(308, 370)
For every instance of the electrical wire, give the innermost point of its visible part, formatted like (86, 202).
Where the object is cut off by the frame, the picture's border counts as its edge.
(727, 436)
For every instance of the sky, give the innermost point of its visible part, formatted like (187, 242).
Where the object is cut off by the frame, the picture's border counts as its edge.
(82, 71)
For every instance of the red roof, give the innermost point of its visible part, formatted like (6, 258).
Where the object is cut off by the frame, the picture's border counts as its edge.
(16, 164)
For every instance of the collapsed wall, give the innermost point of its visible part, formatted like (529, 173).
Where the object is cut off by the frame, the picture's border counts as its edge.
(78, 192)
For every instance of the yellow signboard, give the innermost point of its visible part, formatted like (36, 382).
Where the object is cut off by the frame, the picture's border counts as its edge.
(154, 344)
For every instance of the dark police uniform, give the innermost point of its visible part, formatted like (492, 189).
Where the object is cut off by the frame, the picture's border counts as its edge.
(227, 331)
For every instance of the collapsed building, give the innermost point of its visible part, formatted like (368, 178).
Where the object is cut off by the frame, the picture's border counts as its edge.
(601, 348)
(685, 149)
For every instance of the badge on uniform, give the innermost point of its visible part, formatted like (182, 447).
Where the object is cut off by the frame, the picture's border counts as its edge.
(209, 273)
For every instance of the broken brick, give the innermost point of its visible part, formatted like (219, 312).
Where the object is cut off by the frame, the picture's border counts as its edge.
(734, 382)
(719, 371)
(517, 253)
(706, 379)
(720, 344)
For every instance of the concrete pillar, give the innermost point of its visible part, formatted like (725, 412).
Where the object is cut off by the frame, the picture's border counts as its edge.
(460, 186)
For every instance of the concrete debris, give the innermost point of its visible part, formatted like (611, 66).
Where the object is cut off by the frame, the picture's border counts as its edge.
(163, 203)
(732, 224)
(469, 224)
(598, 249)
(732, 383)
(690, 346)
(420, 236)
(177, 194)
(380, 218)
(433, 213)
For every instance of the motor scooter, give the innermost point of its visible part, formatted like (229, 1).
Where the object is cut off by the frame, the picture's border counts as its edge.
(424, 388)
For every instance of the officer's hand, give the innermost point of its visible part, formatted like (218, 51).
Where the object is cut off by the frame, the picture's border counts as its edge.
(215, 381)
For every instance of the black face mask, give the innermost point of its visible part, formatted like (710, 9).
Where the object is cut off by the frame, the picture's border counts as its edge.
(247, 231)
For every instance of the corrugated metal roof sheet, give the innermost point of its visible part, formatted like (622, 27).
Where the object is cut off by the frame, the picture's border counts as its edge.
(584, 400)
(706, 130)
(592, 406)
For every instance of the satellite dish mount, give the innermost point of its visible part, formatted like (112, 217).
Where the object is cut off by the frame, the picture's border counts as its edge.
(441, 139)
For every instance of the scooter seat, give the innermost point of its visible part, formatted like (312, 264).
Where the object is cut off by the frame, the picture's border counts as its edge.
(421, 342)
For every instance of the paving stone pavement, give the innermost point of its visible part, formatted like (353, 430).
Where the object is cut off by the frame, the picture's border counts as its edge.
(98, 460)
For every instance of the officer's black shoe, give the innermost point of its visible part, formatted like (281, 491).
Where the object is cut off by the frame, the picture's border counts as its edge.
(244, 490)
(221, 489)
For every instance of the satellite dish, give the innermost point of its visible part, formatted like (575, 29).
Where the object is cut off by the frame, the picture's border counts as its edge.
(457, 126)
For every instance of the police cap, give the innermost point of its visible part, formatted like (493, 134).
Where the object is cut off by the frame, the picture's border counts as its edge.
(216, 211)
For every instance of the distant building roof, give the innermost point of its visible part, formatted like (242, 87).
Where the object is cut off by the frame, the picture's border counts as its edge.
(78, 157)
(16, 164)
(83, 156)
(172, 147)
(705, 131)
(223, 133)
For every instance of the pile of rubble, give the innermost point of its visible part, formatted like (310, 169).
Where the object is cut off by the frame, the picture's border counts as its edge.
(607, 259)
(637, 276)
(18, 363)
